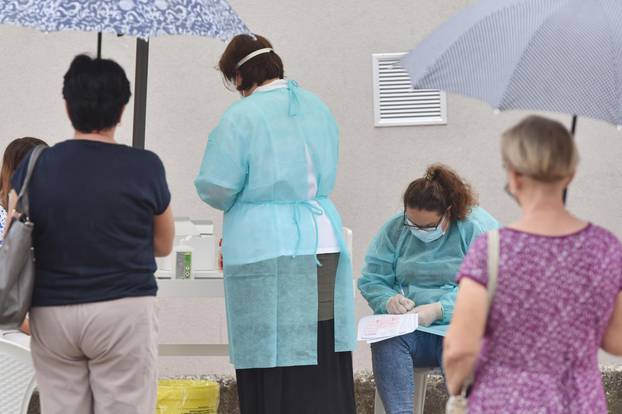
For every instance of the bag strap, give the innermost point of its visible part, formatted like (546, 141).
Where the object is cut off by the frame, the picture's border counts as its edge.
(493, 276)
(23, 203)
(493, 264)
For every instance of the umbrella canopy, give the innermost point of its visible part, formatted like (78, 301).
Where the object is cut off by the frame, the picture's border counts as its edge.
(140, 18)
(545, 55)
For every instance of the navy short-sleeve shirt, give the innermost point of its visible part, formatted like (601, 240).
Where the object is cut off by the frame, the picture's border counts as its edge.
(93, 206)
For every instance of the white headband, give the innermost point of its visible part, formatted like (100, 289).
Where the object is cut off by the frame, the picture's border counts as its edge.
(252, 55)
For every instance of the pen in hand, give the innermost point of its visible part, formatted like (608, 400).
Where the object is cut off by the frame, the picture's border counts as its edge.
(412, 304)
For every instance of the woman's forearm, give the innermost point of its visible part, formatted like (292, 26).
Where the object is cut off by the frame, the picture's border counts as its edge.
(463, 342)
(163, 233)
(458, 367)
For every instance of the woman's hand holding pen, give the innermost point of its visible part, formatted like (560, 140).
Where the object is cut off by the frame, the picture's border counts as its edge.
(399, 304)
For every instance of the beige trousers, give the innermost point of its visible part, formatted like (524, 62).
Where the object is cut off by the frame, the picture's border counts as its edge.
(96, 358)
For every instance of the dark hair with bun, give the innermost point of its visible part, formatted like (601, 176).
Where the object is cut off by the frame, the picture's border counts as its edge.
(440, 190)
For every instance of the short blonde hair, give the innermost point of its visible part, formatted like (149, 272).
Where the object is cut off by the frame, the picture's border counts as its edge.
(541, 149)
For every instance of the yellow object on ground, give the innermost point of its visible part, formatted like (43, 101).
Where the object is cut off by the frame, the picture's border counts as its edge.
(188, 397)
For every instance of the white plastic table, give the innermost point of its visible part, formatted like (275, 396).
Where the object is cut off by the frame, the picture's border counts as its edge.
(210, 285)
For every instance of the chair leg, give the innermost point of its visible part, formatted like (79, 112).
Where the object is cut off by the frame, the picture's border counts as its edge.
(378, 407)
(28, 396)
(421, 376)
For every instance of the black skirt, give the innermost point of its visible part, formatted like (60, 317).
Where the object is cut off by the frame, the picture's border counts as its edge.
(326, 388)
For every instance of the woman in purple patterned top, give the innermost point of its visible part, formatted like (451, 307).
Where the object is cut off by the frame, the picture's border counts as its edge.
(558, 297)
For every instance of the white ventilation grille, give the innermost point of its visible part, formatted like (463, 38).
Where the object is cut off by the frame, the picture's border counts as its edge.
(396, 103)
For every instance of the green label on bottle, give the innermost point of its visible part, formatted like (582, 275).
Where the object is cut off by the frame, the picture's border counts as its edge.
(183, 265)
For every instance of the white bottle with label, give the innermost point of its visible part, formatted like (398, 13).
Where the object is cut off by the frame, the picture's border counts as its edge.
(182, 266)
(204, 247)
(183, 229)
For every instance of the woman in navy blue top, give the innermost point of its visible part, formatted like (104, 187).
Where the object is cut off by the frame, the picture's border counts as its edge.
(102, 213)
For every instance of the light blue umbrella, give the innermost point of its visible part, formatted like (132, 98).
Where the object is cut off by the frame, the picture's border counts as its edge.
(140, 18)
(545, 55)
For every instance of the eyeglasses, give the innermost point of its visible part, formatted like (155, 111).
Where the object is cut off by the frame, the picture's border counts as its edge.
(412, 225)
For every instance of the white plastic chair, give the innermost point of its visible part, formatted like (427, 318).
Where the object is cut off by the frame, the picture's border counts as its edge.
(421, 376)
(17, 378)
(347, 235)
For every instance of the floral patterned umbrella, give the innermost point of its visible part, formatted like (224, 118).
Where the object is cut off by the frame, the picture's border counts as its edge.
(140, 18)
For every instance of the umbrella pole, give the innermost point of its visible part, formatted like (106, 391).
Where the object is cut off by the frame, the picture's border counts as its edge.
(140, 93)
(573, 130)
(99, 45)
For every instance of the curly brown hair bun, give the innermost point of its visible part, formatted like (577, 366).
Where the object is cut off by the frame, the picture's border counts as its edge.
(440, 190)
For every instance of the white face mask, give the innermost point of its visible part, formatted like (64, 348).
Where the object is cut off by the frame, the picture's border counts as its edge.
(428, 236)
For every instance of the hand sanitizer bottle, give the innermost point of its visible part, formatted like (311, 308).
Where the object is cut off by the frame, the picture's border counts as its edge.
(183, 260)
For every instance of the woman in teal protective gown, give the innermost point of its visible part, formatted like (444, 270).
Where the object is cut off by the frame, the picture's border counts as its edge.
(411, 266)
(270, 165)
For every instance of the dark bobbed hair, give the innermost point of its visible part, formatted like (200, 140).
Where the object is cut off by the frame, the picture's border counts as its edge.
(96, 91)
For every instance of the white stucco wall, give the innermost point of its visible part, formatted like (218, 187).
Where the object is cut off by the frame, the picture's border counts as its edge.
(326, 45)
